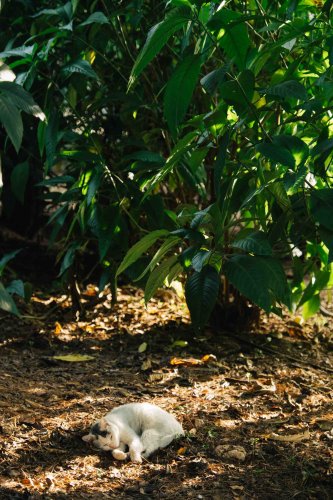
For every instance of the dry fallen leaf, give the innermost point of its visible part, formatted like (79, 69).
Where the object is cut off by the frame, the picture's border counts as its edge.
(57, 328)
(142, 347)
(182, 450)
(193, 361)
(231, 451)
(292, 438)
(74, 358)
(146, 365)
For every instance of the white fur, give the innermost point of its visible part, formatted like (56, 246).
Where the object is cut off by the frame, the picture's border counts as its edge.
(142, 427)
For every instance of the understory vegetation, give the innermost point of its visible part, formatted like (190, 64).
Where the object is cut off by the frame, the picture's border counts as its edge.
(168, 143)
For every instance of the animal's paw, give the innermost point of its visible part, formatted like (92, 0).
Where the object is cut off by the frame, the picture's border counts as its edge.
(119, 455)
(136, 457)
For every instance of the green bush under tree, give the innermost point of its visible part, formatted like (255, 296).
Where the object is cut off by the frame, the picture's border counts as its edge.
(180, 138)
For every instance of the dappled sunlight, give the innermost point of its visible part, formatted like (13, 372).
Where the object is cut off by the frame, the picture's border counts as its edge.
(257, 408)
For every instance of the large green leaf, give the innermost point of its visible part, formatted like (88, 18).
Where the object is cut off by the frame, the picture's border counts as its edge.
(235, 40)
(201, 291)
(21, 99)
(6, 301)
(51, 137)
(24, 51)
(183, 146)
(82, 67)
(157, 38)
(169, 243)
(158, 276)
(255, 242)
(276, 153)
(6, 258)
(280, 194)
(139, 248)
(18, 180)
(321, 207)
(296, 147)
(290, 88)
(260, 279)
(96, 17)
(69, 257)
(220, 163)
(11, 119)
(212, 81)
(179, 90)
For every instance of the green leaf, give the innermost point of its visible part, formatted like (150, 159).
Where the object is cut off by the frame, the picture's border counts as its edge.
(179, 90)
(18, 180)
(321, 207)
(311, 307)
(82, 67)
(220, 163)
(6, 302)
(317, 283)
(212, 81)
(290, 88)
(182, 147)
(201, 291)
(173, 273)
(260, 279)
(6, 258)
(280, 194)
(11, 119)
(16, 286)
(51, 137)
(157, 37)
(96, 17)
(60, 179)
(140, 247)
(277, 154)
(296, 147)
(235, 40)
(24, 51)
(169, 243)
(21, 99)
(200, 259)
(146, 157)
(255, 242)
(158, 276)
(69, 257)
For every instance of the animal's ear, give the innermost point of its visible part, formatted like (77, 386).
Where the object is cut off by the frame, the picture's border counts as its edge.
(103, 424)
(88, 438)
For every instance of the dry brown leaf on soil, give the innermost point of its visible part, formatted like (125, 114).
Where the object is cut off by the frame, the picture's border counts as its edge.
(57, 328)
(73, 358)
(291, 438)
(182, 450)
(207, 358)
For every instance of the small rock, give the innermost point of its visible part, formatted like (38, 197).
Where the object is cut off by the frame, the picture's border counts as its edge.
(199, 422)
(231, 451)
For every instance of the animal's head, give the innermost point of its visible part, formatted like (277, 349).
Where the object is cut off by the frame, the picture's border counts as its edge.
(103, 435)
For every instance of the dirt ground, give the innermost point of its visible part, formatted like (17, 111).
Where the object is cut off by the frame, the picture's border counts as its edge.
(257, 407)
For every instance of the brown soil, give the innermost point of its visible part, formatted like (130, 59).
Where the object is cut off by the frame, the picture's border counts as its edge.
(258, 414)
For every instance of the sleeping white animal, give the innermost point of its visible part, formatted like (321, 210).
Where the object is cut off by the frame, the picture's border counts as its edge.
(141, 428)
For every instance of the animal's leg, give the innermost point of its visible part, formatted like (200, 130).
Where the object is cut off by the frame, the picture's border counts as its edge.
(135, 449)
(119, 453)
(152, 440)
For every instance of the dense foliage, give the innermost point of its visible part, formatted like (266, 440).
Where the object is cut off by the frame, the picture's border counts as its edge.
(201, 131)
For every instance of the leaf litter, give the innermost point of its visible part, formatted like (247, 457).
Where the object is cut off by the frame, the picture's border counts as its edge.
(256, 407)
